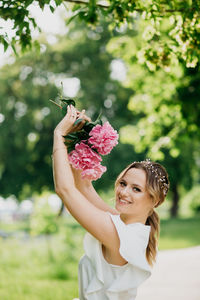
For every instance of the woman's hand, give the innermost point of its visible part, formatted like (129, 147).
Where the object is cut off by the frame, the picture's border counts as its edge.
(84, 117)
(66, 124)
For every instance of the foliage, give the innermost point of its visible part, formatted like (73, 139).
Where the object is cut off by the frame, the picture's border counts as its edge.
(26, 121)
(180, 19)
(28, 117)
(192, 199)
(165, 123)
(151, 109)
(179, 233)
(43, 219)
(28, 271)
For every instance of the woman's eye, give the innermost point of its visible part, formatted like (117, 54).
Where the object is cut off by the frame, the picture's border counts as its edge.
(122, 183)
(136, 189)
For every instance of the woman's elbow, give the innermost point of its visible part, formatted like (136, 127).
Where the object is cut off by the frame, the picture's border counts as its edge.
(64, 191)
(60, 191)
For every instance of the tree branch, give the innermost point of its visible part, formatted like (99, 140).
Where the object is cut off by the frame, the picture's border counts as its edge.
(136, 9)
(86, 2)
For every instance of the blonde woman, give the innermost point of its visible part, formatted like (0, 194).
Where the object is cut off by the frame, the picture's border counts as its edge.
(121, 243)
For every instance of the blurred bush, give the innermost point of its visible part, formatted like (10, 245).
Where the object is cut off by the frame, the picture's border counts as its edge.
(44, 218)
(191, 201)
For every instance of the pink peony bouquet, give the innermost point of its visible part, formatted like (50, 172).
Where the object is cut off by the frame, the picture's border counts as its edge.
(86, 146)
(86, 155)
(85, 159)
(103, 138)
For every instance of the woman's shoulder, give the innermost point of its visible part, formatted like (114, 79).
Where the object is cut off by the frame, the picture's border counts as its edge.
(133, 237)
(135, 226)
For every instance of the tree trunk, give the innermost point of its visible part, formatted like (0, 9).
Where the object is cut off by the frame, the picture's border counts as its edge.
(61, 210)
(175, 200)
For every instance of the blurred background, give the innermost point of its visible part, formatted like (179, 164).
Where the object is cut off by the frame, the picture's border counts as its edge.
(148, 91)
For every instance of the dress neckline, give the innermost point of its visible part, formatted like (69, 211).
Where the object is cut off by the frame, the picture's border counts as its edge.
(146, 226)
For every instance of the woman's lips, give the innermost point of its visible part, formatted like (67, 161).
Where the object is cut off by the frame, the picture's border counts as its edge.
(123, 202)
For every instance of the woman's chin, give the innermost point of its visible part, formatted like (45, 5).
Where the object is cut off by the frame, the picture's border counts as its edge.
(120, 207)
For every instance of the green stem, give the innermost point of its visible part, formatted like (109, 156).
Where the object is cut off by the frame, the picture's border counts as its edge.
(56, 103)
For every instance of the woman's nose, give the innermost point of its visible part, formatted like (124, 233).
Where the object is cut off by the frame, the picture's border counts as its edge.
(125, 191)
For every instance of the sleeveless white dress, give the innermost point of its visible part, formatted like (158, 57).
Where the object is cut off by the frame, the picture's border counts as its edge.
(99, 280)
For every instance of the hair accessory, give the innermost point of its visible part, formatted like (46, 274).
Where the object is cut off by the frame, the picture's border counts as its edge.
(164, 185)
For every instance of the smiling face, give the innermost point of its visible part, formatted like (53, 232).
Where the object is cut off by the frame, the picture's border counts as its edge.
(132, 198)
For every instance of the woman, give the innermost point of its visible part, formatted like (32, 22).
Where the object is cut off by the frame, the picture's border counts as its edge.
(121, 243)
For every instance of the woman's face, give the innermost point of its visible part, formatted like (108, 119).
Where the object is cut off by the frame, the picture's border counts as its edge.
(132, 198)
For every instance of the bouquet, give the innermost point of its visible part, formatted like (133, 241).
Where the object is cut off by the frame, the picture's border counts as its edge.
(86, 146)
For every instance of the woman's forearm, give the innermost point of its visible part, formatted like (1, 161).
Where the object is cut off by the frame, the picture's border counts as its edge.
(63, 177)
(86, 188)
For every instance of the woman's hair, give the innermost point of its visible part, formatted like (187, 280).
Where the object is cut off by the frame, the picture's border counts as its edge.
(157, 184)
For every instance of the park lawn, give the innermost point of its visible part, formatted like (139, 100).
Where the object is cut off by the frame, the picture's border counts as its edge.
(47, 269)
(30, 271)
(179, 233)
(43, 267)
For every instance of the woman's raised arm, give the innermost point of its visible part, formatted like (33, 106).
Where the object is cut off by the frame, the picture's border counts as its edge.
(86, 188)
(94, 220)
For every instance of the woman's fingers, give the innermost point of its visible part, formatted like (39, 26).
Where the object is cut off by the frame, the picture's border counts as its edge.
(65, 126)
(81, 123)
(71, 112)
(87, 118)
(82, 115)
(73, 115)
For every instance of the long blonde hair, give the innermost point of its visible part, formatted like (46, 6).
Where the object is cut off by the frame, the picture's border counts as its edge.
(157, 191)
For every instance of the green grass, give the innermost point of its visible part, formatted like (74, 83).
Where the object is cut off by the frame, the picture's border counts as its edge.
(41, 268)
(179, 233)
(28, 272)
(47, 269)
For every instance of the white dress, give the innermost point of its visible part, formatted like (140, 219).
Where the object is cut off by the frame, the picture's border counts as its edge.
(99, 280)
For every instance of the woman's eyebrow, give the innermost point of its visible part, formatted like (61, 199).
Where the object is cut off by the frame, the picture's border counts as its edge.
(135, 184)
(122, 180)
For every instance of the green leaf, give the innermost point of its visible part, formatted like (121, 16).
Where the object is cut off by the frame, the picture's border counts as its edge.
(5, 44)
(52, 8)
(64, 109)
(77, 122)
(58, 2)
(71, 136)
(65, 103)
(98, 120)
(69, 102)
(13, 46)
(72, 18)
(88, 126)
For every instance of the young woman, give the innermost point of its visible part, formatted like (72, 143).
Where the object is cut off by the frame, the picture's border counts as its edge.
(121, 243)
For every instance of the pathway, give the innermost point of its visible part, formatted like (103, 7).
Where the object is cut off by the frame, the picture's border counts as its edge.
(176, 276)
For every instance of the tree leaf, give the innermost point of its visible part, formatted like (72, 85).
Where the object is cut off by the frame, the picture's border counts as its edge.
(51, 8)
(5, 44)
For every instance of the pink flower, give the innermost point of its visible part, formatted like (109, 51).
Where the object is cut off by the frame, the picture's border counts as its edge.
(103, 138)
(84, 158)
(95, 173)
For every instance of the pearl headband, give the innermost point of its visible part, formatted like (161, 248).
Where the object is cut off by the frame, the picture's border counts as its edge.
(163, 181)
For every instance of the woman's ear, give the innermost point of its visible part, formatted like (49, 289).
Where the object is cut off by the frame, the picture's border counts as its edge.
(156, 204)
